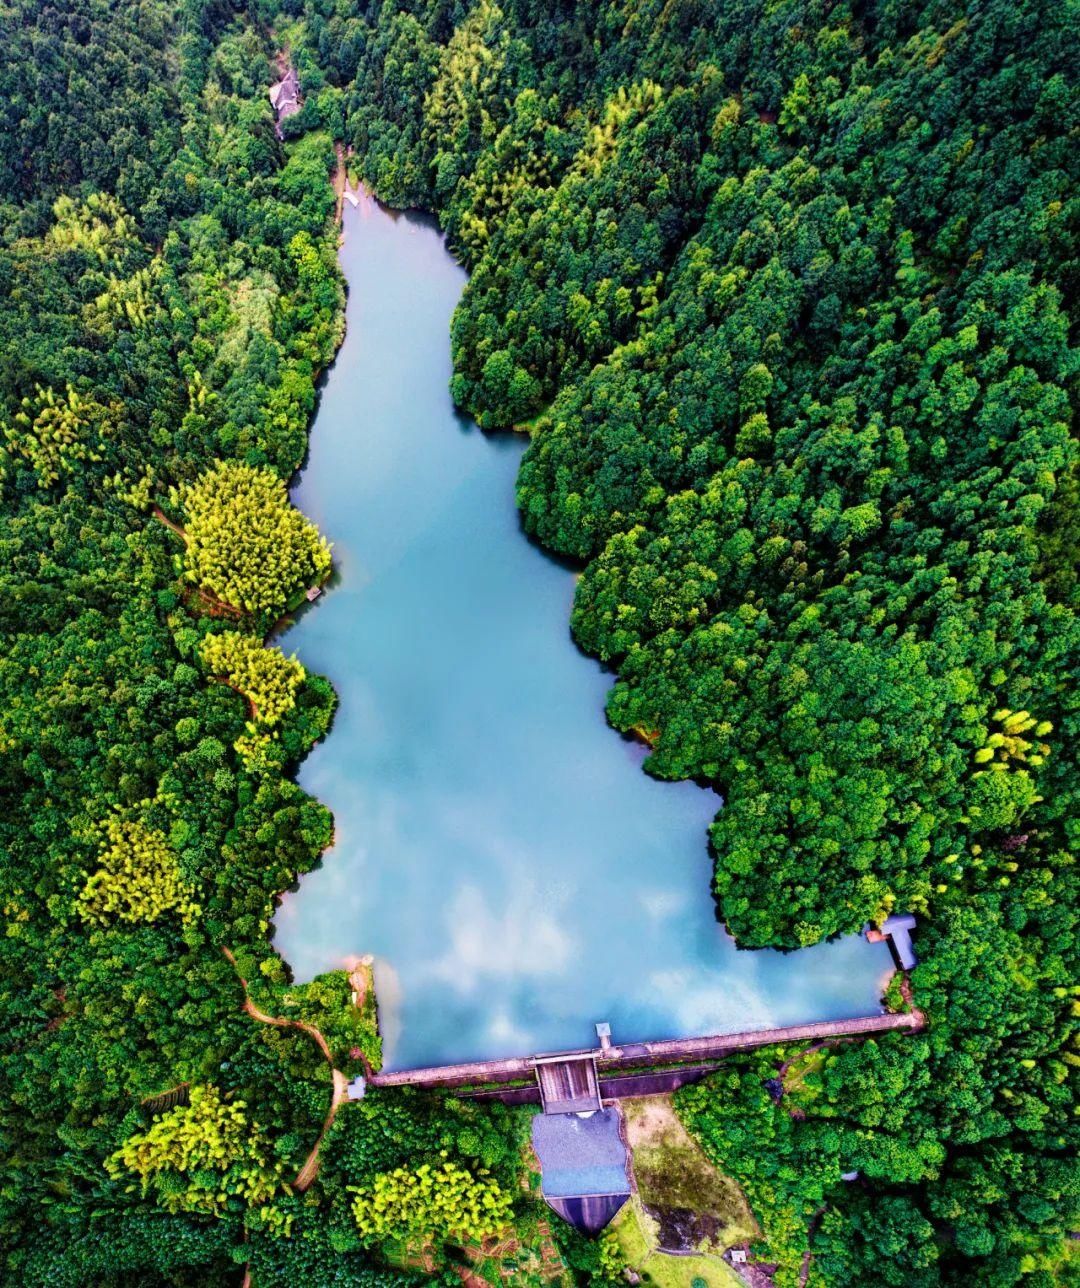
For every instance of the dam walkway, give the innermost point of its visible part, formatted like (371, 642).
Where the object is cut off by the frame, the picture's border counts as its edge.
(636, 1068)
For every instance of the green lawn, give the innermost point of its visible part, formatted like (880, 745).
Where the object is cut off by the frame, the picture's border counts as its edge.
(635, 1232)
(673, 1175)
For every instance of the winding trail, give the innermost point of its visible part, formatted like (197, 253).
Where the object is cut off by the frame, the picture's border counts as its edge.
(340, 1082)
(217, 607)
(340, 183)
(161, 517)
(310, 1170)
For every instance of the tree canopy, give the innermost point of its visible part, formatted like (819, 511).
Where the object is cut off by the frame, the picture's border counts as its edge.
(268, 678)
(784, 295)
(199, 1155)
(440, 1201)
(246, 544)
(137, 879)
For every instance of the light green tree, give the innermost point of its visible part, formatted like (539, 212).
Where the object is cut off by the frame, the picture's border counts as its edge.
(246, 544)
(138, 878)
(437, 1201)
(55, 432)
(194, 1158)
(265, 676)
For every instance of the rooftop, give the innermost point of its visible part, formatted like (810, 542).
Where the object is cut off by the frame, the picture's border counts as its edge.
(896, 930)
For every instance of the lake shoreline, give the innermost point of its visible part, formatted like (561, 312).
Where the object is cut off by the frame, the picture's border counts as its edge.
(496, 845)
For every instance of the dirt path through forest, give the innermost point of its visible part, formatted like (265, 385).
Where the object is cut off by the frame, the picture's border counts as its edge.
(340, 1092)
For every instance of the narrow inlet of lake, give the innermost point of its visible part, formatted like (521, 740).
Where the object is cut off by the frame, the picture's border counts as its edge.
(498, 848)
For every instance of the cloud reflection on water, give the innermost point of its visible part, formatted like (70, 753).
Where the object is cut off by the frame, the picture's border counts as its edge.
(498, 849)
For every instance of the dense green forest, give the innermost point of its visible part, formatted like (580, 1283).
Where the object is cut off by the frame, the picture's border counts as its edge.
(781, 292)
(171, 293)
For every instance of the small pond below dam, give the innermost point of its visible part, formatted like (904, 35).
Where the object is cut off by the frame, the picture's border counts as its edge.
(498, 849)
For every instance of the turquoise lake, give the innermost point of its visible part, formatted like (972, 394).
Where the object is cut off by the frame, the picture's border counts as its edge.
(498, 848)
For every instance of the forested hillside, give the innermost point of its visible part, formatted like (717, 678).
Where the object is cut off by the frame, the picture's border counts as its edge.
(170, 294)
(782, 294)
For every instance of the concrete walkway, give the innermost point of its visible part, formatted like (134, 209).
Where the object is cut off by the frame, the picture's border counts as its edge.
(637, 1054)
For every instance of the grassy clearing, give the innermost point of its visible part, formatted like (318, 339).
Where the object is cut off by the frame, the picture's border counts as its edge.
(802, 1080)
(636, 1233)
(531, 425)
(673, 1174)
(682, 1201)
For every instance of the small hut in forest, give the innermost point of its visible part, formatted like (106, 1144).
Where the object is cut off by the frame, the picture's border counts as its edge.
(285, 97)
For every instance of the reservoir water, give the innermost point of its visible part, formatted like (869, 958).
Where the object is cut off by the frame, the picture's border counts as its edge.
(498, 848)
